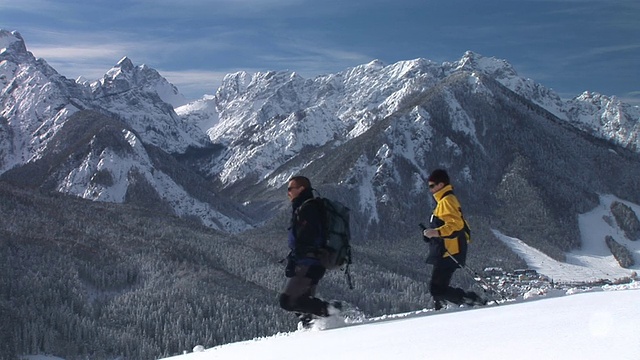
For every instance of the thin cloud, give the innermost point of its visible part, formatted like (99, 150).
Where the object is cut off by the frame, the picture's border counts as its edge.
(86, 52)
(193, 84)
(613, 50)
(27, 5)
(312, 60)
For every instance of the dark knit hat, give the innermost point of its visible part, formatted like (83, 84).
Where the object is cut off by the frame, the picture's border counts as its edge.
(439, 176)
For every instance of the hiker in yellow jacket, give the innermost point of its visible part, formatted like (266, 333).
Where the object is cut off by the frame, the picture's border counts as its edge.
(448, 237)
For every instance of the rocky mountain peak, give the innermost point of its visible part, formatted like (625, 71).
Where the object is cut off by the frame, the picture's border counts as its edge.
(11, 42)
(125, 76)
(375, 64)
(497, 68)
(125, 64)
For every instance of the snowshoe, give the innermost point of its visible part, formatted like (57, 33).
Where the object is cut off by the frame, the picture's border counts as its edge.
(334, 308)
(306, 321)
(439, 304)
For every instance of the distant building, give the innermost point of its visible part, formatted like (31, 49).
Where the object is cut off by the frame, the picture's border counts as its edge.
(526, 274)
(493, 271)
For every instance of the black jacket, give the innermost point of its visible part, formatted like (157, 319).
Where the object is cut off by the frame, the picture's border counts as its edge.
(305, 230)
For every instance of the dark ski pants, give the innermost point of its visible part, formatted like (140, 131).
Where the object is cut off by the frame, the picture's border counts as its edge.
(441, 278)
(299, 292)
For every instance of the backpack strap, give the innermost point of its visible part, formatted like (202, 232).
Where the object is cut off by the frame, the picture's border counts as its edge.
(314, 248)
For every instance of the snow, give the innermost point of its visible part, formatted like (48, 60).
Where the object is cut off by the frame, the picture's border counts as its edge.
(594, 260)
(579, 326)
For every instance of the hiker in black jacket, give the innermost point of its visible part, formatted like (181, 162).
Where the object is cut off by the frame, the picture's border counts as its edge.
(304, 269)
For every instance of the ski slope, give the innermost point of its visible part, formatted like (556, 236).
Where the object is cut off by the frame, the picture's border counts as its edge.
(594, 260)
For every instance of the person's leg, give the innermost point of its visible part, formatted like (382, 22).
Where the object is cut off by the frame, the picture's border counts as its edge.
(440, 278)
(298, 294)
(440, 284)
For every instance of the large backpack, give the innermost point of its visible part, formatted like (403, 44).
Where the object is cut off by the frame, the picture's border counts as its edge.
(335, 253)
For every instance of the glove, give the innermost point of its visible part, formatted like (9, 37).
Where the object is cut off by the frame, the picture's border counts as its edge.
(290, 269)
(430, 233)
(424, 238)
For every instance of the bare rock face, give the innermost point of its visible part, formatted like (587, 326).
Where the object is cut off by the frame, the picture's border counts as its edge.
(627, 220)
(620, 252)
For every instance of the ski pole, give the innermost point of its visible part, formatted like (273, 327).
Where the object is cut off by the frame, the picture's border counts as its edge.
(483, 283)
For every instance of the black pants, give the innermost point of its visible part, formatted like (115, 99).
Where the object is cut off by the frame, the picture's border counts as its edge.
(299, 292)
(441, 278)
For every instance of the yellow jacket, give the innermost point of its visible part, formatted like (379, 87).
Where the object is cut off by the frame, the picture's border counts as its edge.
(449, 211)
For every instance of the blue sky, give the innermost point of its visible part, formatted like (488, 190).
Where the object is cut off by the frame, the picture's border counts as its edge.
(567, 45)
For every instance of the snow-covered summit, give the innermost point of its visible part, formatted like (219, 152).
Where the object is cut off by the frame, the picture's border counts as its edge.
(607, 117)
(37, 100)
(500, 69)
(266, 107)
(34, 98)
(125, 75)
(146, 101)
(36, 103)
(11, 41)
(280, 113)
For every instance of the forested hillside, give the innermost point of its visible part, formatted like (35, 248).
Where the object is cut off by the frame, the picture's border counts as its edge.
(100, 280)
(82, 278)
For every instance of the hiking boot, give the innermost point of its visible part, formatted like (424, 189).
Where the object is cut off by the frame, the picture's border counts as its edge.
(471, 298)
(334, 308)
(439, 304)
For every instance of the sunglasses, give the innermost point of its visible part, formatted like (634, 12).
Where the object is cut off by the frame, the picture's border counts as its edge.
(431, 186)
(293, 187)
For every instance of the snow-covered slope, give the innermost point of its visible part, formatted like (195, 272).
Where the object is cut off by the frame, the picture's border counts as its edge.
(606, 117)
(200, 112)
(579, 326)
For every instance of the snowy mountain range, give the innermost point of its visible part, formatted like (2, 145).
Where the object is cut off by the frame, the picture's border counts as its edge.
(280, 113)
(369, 134)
